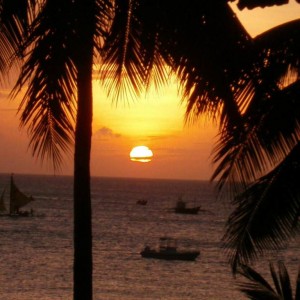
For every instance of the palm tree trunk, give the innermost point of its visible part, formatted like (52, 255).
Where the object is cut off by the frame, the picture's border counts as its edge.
(83, 265)
(82, 195)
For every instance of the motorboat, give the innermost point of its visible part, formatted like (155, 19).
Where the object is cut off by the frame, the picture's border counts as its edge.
(168, 250)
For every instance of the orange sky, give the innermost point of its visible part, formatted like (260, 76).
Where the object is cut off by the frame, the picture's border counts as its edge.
(155, 120)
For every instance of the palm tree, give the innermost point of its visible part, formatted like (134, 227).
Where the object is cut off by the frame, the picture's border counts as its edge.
(258, 149)
(259, 157)
(59, 52)
(258, 288)
(246, 87)
(141, 38)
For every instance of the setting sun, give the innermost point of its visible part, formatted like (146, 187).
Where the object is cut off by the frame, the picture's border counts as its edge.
(141, 154)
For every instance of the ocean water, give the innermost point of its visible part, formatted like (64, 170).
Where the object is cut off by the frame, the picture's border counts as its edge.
(37, 255)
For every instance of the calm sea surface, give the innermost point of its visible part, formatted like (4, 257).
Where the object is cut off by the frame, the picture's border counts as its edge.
(36, 253)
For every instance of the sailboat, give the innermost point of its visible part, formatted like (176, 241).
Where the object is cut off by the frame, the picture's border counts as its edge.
(17, 201)
(2, 204)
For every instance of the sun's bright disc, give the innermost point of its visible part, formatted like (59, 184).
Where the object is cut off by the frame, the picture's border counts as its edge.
(141, 154)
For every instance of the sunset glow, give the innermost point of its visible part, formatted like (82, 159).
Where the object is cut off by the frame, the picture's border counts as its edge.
(156, 119)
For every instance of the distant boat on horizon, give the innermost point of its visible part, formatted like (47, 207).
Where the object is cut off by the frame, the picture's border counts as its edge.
(181, 208)
(141, 202)
(17, 200)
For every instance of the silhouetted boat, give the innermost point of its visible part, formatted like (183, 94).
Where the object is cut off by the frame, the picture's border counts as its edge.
(16, 202)
(168, 251)
(141, 202)
(181, 208)
(2, 204)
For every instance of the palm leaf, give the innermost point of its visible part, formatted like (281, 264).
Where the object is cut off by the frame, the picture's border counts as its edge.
(282, 282)
(49, 70)
(297, 293)
(153, 33)
(123, 67)
(250, 149)
(206, 73)
(259, 140)
(15, 18)
(151, 17)
(257, 288)
(278, 49)
(267, 213)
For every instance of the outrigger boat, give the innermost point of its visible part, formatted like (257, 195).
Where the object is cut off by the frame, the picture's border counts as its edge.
(16, 202)
(168, 251)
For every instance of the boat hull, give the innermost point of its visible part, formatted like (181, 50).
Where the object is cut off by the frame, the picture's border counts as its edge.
(190, 255)
(17, 215)
(191, 211)
(21, 214)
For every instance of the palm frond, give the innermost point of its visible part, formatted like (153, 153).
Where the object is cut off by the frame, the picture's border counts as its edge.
(267, 213)
(50, 73)
(15, 17)
(156, 33)
(297, 293)
(151, 19)
(259, 141)
(103, 14)
(275, 64)
(258, 288)
(282, 281)
(205, 72)
(123, 68)
(248, 151)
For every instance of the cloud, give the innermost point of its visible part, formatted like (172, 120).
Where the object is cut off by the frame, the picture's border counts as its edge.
(105, 133)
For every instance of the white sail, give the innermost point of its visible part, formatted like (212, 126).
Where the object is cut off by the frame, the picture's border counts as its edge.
(17, 198)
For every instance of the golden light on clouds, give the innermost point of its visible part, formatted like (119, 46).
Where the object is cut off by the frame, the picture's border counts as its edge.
(141, 154)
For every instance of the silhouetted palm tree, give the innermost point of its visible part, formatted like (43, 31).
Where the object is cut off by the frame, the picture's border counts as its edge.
(258, 288)
(144, 37)
(249, 86)
(264, 141)
(259, 156)
(59, 51)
